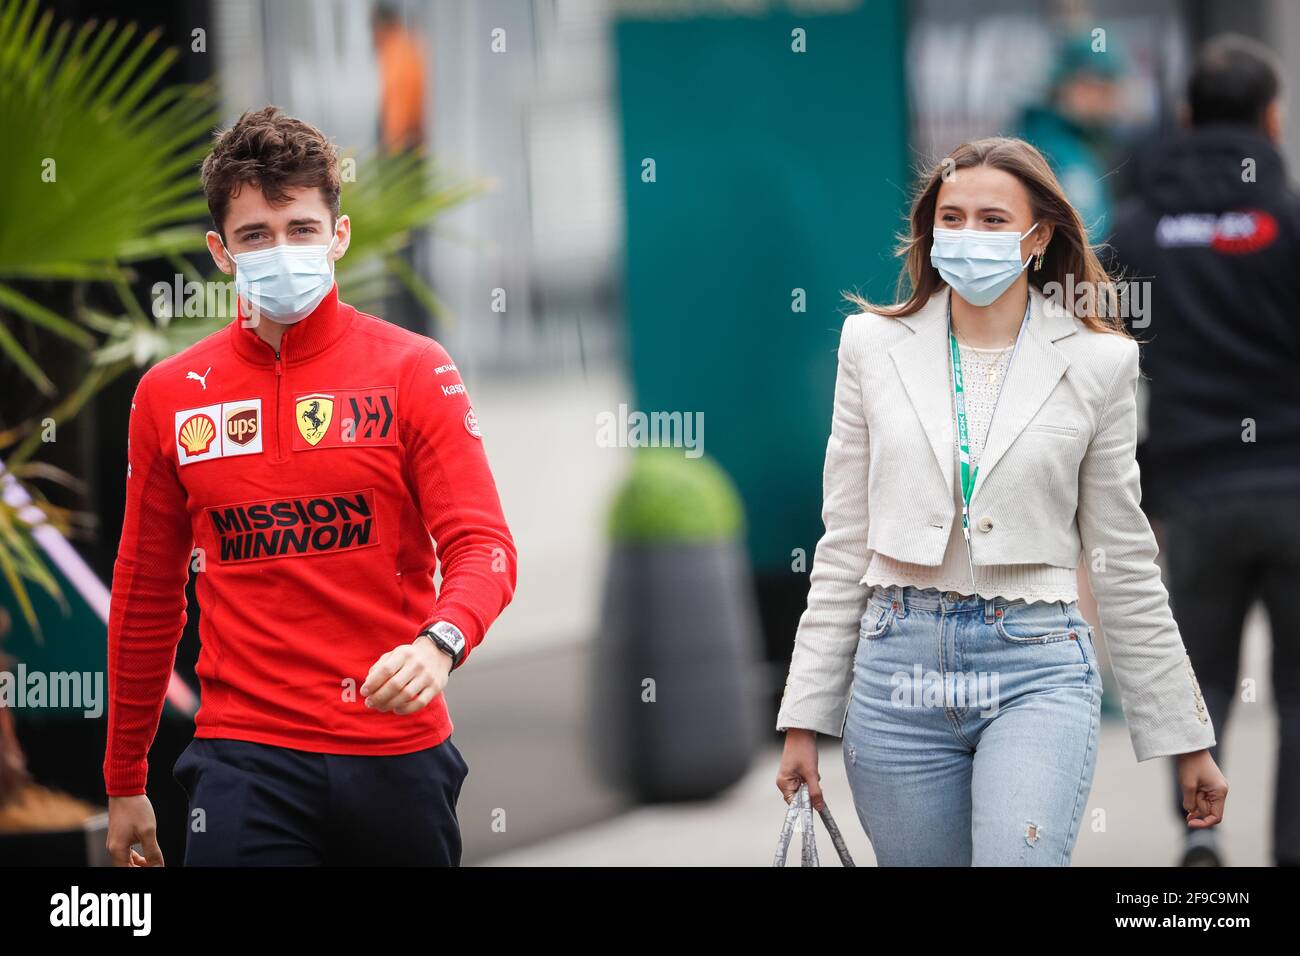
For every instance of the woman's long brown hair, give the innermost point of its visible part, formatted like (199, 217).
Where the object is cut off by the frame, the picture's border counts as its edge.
(1067, 254)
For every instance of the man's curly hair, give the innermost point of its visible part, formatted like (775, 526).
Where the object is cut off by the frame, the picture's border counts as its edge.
(274, 152)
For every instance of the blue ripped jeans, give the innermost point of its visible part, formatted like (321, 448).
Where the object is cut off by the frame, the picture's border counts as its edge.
(971, 734)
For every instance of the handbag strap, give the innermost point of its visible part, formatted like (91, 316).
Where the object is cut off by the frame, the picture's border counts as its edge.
(800, 808)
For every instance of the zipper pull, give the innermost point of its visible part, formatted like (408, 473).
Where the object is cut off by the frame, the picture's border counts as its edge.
(277, 361)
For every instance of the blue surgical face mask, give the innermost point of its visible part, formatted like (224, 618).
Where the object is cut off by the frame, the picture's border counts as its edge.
(979, 264)
(284, 283)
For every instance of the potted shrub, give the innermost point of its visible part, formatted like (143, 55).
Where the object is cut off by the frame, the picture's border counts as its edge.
(678, 649)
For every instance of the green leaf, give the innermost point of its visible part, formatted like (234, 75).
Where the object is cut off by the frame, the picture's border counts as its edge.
(35, 312)
(20, 560)
(83, 111)
(390, 198)
(26, 364)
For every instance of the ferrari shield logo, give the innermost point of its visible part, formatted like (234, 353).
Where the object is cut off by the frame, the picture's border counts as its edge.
(314, 413)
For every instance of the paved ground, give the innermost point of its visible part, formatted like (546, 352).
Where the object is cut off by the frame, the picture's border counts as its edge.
(1129, 821)
(1129, 800)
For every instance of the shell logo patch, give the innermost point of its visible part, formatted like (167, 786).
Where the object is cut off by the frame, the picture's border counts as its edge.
(219, 431)
(471, 424)
(196, 434)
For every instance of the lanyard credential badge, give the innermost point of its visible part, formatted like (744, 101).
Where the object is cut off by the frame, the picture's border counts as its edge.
(969, 474)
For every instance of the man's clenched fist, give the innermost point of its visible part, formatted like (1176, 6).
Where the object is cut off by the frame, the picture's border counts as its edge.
(407, 678)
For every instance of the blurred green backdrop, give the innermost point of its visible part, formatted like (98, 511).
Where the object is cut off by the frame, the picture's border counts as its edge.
(772, 174)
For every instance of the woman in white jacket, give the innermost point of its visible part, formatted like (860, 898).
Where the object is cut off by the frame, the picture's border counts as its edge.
(982, 439)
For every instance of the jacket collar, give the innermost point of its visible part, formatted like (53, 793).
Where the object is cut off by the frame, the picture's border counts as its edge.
(303, 340)
(923, 363)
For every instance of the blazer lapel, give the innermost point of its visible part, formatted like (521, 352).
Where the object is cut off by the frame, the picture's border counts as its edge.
(1038, 366)
(923, 365)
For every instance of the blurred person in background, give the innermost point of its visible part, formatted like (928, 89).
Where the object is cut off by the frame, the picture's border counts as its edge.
(1070, 129)
(982, 436)
(317, 465)
(400, 57)
(1214, 230)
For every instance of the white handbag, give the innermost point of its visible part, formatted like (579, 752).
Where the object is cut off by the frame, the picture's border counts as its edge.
(801, 807)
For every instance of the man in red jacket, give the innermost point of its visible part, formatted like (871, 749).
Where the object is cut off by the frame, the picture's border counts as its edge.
(313, 465)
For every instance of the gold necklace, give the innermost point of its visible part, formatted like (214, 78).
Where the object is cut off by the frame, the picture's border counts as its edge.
(991, 374)
(962, 339)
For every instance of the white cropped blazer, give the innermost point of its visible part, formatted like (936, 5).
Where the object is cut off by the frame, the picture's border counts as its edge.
(1057, 478)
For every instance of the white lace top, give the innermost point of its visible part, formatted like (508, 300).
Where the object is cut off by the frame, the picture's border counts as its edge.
(985, 370)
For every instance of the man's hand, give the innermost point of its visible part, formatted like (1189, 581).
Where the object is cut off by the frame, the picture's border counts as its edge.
(131, 821)
(407, 678)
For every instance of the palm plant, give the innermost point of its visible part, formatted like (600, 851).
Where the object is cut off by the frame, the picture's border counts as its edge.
(98, 177)
(391, 196)
(96, 174)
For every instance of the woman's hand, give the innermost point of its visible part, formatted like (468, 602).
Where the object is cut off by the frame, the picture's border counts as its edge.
(799, 766)
(1204, 789)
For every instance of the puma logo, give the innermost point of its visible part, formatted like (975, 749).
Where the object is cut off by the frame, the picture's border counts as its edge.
(201, 379)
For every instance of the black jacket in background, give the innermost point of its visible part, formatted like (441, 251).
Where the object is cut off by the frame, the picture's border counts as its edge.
(1222, 257)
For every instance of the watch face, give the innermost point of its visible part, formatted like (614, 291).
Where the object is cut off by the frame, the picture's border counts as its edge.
(451, 634)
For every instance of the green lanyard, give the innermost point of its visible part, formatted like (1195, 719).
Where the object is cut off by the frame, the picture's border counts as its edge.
(968, 474)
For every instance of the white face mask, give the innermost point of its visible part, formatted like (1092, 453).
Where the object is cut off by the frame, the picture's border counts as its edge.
(979, 264)
(284, 283)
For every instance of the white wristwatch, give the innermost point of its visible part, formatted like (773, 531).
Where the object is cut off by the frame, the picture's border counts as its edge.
(447, 637)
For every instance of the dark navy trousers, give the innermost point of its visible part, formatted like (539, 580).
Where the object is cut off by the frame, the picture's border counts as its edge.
(258, 805)
(1223, 553)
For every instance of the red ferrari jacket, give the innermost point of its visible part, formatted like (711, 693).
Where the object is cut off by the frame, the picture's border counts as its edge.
(313, 492)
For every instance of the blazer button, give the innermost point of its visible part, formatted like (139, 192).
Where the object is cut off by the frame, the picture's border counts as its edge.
(986, 523)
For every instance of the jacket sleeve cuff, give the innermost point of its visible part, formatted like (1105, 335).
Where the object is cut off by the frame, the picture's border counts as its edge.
(823, 722)
(126, 780)
(1149, 747)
